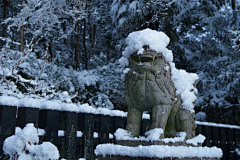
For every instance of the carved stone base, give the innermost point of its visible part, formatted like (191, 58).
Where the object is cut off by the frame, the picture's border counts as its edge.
(145, 158)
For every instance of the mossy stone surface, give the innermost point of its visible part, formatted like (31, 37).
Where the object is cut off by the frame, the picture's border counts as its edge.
(148, 87)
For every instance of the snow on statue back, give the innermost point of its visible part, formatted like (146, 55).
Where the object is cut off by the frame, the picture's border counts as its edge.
(23, 146)
(152, 83)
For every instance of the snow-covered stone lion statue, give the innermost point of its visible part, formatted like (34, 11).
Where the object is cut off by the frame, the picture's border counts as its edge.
(153, 84)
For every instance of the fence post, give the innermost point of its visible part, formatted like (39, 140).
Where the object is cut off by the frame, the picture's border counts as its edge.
(97, 118)
(8, 123)
(27, 115)
(224, 143)
(216, 137)
(230, 145)
(209, 137)
(70, 134)
(50, 123)
(237, 145)
(104, 129)
(119, 122)
(61, 140)
(199, 130)
(202, 131)
(86, 123)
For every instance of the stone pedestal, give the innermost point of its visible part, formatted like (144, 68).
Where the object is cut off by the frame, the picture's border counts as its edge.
(145, 158)
(132, 143)
(147, 151)
(151, 147)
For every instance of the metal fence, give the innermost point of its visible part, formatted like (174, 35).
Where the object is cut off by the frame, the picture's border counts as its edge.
(73, 147)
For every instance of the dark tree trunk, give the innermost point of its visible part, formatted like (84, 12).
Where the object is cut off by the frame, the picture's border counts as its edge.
(233, 4)
(108, 52)
(4, 17)
(94, 28)
(6, 3)
(50, 51)
(21, 38)
(77, 47)
(64, 29)
(84, 44)
(21, 34)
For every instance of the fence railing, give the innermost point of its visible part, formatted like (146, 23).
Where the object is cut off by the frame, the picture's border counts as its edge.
(225, 138)
(96, 129)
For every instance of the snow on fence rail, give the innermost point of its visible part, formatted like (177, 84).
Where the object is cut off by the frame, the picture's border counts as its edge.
(77, 134)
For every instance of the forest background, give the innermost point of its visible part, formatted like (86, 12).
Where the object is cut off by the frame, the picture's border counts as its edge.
(68, 50)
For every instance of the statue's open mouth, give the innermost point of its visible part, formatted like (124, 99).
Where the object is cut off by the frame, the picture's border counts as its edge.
(146, 59)
(143, 58)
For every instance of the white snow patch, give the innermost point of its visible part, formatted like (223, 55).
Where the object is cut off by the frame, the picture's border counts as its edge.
(184, 83)
(46, 151)
(157, 41)
(60, 106)
(152, 135)
(95, 135)
(79, 134)
(201, 116)
(17, 130)
(196, 140)
(27, 139)
(237, 150)
(9, 101)
(126, 70)
(61, 133)
(180, 137)
(217, 125)
(145, 116)
(41, 132)
(158, 151)
(122, 134)
(110, 136)
(166, 68)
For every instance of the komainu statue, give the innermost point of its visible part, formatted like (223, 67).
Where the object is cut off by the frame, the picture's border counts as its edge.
(149, 87)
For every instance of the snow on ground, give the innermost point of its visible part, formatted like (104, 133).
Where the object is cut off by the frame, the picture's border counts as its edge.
(158, 151)
(154, 134)
(122, 134)
(179, 138)
(158, 41)
(23, 145)
(199, 139)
